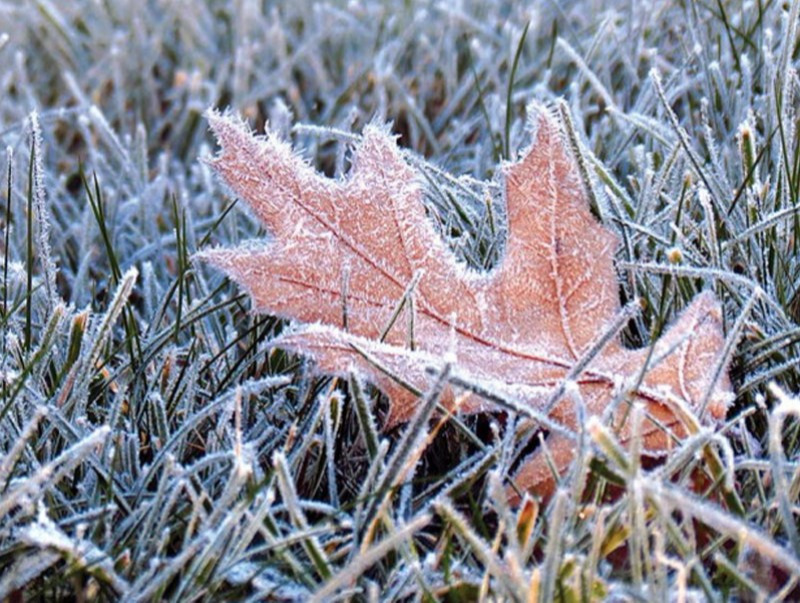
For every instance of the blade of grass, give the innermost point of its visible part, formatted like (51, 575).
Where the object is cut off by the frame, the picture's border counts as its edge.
(511, 76)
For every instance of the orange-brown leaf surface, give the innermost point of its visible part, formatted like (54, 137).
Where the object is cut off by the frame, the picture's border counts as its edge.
(343, 254)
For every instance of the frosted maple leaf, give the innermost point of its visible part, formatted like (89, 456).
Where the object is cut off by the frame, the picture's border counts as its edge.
(344, 253)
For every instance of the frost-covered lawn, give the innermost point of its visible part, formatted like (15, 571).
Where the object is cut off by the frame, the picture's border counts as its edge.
(153, 443)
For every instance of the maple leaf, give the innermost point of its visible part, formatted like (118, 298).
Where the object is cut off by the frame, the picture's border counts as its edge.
(345, 253)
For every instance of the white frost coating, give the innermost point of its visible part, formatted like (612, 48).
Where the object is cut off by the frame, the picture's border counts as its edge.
(100, 123)
(45, 534)
(520, 330)
(115, 308)
(41, 214)
(789, 405)
(16, 270)
(572, 390)
(8, 376)
(54, 470)
(8, 461)
(242, 573)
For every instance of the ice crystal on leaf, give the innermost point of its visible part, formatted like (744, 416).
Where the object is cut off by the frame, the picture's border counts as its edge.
(343, 254)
